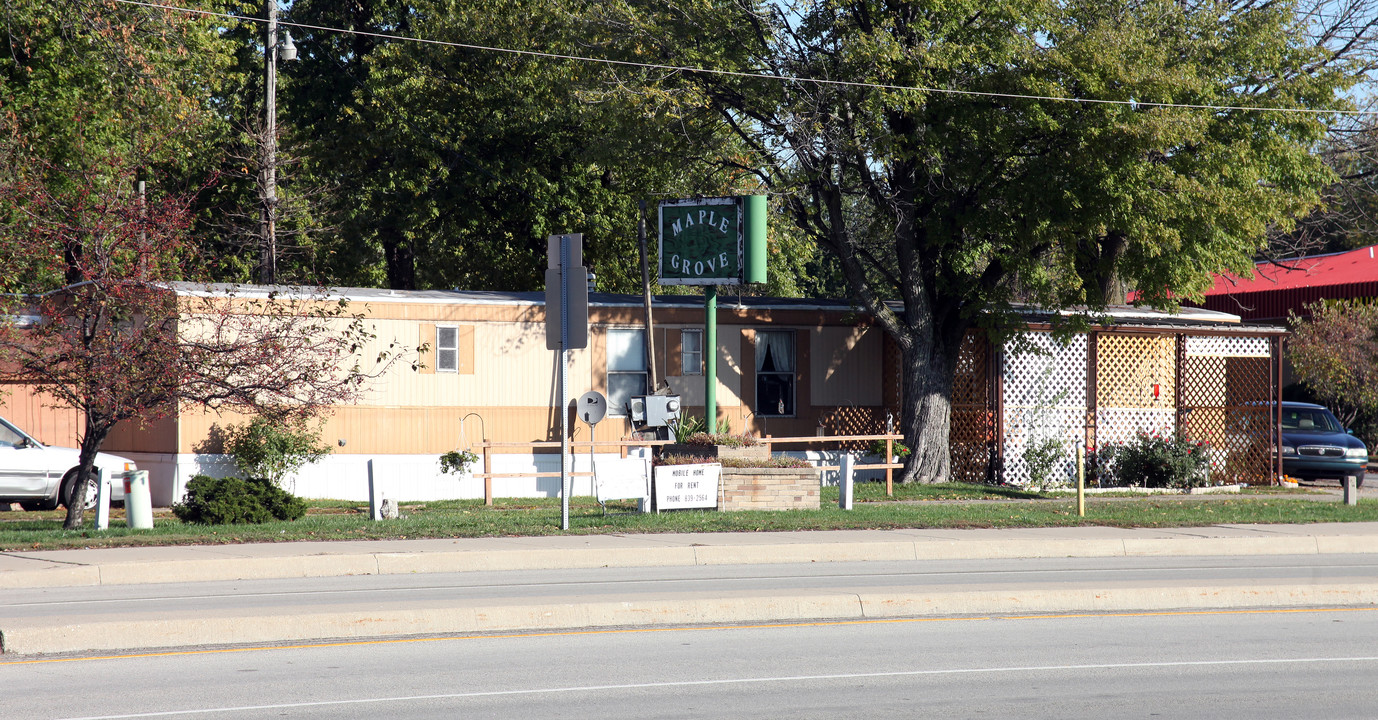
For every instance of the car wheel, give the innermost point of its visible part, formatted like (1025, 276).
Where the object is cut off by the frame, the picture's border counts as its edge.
(69, 482)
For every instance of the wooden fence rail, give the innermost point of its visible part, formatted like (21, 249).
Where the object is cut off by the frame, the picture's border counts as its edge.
(488, 475)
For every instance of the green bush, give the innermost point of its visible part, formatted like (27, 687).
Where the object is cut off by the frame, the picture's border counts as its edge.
(232, 501)
(274, 449)
(877, 447)
(1152, 460)
(686, 426)
(1042, 457)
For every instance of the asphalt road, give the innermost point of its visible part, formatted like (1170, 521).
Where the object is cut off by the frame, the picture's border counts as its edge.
(1317, 663)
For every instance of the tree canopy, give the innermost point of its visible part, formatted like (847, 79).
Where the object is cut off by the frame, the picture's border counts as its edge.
(937, 151)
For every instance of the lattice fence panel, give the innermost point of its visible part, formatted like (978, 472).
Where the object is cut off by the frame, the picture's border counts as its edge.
(853, 420)
(1136, 386)
(972, 430)
(1226, 398)
(1044, 397)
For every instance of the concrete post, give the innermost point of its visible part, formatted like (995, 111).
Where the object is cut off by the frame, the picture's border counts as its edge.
(1351, 485)
(845, 478)
(375, 495)
(103, 500)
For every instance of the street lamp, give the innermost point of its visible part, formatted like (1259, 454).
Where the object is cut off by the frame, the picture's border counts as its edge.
(272, 52)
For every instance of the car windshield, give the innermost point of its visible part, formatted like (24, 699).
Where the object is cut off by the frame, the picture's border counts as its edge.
(9, 435)
(1310, 420)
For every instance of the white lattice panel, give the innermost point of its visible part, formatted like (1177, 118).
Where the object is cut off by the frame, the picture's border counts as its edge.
(1200, 346)
(1044, 397)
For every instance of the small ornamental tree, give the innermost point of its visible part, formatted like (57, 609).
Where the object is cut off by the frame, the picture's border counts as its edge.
(108, 334)
(1335, 355)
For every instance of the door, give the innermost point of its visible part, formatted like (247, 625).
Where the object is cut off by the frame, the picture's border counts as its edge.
(23, 465)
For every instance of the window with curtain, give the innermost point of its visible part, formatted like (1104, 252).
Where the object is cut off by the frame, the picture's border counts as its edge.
(691, 352)
(626, 369)
(446, 349)
(774, 373)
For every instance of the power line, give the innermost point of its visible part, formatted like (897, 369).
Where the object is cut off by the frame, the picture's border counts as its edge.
(754, 75)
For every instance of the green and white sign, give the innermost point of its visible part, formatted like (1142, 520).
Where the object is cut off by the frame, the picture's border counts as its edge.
(701, 242)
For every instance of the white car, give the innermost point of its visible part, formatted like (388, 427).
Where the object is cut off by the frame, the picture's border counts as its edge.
(41, 477)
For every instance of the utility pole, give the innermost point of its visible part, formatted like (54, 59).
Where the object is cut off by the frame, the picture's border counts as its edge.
(646, 294)
(268, 269)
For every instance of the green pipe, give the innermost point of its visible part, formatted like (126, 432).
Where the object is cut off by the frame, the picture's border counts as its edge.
(710, 357)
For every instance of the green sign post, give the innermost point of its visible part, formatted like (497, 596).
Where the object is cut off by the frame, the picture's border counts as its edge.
(712, 242)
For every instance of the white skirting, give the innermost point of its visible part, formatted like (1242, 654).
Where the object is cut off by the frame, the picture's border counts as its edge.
(400, 477)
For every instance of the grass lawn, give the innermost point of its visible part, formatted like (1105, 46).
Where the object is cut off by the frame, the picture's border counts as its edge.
(914, 506)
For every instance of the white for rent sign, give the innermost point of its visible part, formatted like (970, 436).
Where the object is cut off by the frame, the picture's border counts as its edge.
(679, 487)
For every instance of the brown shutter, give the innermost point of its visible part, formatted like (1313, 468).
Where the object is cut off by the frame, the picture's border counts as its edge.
(465, 356)
(673, 358)
(426, 343)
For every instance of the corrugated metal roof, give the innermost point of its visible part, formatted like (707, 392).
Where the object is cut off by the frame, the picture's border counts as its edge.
(1353, 266)
(1115, 315)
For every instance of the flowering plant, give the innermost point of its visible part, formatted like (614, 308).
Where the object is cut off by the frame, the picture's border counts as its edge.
(877, 447)
(1152, 460)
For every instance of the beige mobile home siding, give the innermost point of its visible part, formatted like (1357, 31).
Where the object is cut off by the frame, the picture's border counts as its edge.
(37, 414)
(845, 366)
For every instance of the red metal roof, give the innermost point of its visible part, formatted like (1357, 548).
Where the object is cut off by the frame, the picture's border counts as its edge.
(1290, 285)
(1354, 266)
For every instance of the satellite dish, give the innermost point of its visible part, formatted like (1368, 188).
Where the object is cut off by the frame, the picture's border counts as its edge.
(592, 407)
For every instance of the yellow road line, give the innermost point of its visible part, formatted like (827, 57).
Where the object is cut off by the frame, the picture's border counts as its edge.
(685, 628)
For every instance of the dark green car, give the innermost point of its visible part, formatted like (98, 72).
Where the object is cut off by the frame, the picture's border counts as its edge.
(1315, 445)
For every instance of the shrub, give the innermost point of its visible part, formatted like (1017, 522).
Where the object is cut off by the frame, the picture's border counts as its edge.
(772, 462)
(1153, 460)
(274, 449)
(232, 501)
(877, 447)
(725, 439)
(1042, 456)
(686, 426)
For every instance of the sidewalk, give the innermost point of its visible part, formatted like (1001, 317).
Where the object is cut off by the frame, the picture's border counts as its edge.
(192, 563)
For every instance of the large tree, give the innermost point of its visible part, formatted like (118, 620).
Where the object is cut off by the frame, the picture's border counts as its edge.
(111, 337)
(1334, 353)
(934, 150)
(454, 164)
(87, 79)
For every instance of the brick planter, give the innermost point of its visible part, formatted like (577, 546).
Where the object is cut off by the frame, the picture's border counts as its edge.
(712, 453)
(768, 489)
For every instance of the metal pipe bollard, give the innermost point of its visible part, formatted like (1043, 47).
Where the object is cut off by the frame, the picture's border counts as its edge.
(138, 500)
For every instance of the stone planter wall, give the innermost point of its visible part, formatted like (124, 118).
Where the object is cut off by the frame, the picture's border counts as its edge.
(768, 489)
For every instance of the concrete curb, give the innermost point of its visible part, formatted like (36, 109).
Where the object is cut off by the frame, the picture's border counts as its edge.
(640, 551)
(102, 634)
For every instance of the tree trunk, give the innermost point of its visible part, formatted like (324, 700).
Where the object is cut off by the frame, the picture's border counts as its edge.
(1097, 262)
(929, 369)
(400, 258)
(96, 431)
